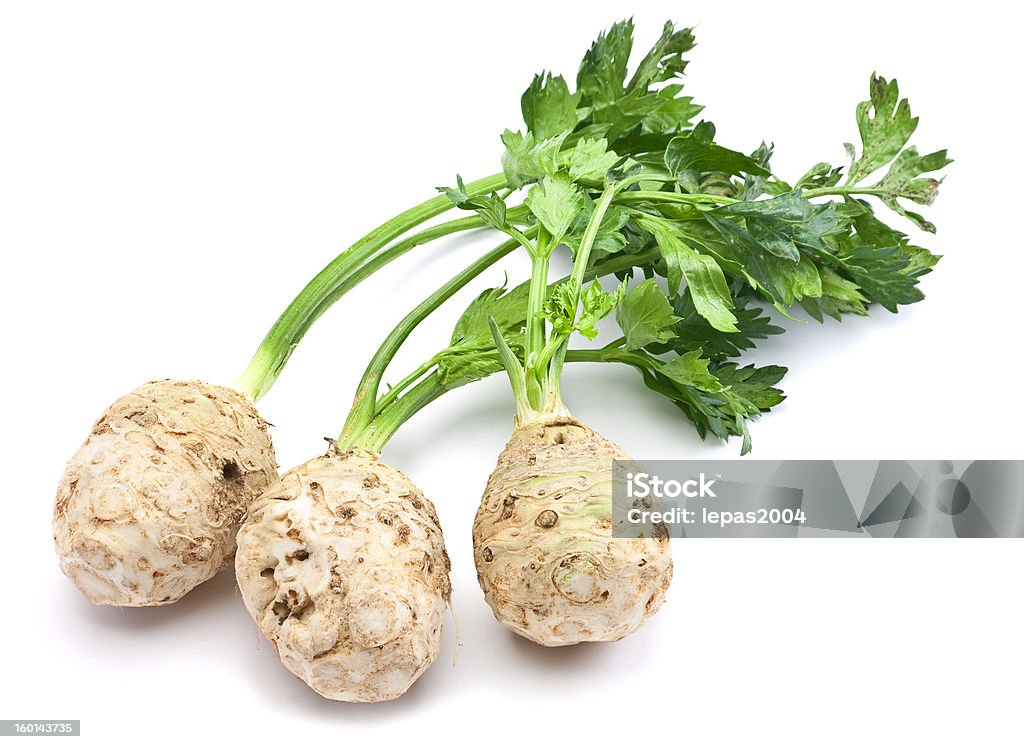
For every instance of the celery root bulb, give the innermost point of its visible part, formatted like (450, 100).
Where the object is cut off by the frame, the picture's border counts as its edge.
(149, 506)
(343, 566)
(545, 558)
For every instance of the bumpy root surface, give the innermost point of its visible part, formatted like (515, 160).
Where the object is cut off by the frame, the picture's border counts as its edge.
(545, 558)
(149, 506)
(342, 565)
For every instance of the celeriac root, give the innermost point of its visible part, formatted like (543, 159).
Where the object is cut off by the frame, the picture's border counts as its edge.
(342, 565)
(545, 557)
(149, 506)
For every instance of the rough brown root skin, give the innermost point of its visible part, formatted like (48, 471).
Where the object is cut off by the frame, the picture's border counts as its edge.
(343, 566)
(149, 506)
(545, 558)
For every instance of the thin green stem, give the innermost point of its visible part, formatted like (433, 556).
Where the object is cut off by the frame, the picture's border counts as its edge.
(364, 404)
(548, 354)
(604, 355)
(383, 427)
(664, 196)
(386, 424)
(293, 323)
(586, 355)
(514, 370)
(394, 252)
(526, 380)
(390, 417)
(555, 372)
(402, 385)
(582, 261)
(819, 192)
(522, 239)
(617, 343)
(539, 265)
(549, 350)
(377, 434)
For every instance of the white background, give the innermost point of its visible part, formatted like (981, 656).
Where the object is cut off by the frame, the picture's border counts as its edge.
(171, 174)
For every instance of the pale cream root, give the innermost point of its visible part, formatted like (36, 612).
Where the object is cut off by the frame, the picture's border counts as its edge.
(149, 506)
(545, 557)
(342, 565)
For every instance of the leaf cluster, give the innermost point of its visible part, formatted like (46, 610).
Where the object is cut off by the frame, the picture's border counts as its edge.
(722, 242)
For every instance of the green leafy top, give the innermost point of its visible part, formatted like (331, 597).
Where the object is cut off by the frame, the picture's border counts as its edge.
(885, 126)
(549, 109)
(594, 302)
(589, 130)
(556, 202)
(688, 156)
(646, 317)
(611, 105)
(615, 171)
(470, 355)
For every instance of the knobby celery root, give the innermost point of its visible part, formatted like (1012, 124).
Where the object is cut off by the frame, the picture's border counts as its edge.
(342, 565)
(542, 538)
(149, 506)
(542, 543)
